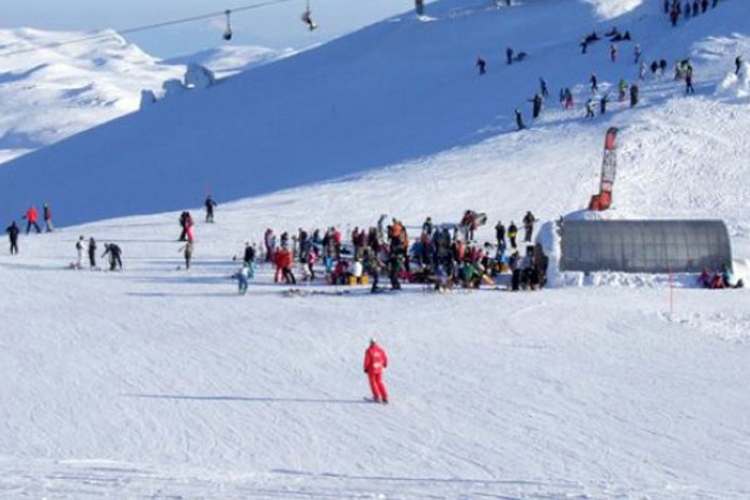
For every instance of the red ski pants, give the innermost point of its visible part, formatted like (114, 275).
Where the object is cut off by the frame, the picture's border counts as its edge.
(377, 386)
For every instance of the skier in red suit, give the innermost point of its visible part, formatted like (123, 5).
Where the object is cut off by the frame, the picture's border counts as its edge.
(376, 360)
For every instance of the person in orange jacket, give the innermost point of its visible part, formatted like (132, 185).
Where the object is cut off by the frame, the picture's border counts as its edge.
(376, 360)
(31, 217)
(284, 261)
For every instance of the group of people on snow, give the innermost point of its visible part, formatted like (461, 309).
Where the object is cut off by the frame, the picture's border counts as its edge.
(674, 9)
(32, 220)
(442, 255)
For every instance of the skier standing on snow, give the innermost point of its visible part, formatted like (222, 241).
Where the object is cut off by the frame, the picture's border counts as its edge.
(543, 87)
(528, 222)
(500, 236)
(209, 204)
(187, 251)
(634, 95)
(249, 255)
(590, 109)
(481, 64)
(47, 212)
(13, 231)
(376, 360)
(603, 104)
(92, 252)
(738, 65)
(536, 101)
(79, 253)
(509, 55)
(689, 80)
(519, 120)
(512, 234)
(186, 223)
(31, 217)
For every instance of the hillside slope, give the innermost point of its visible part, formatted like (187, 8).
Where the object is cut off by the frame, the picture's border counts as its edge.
(396, 91)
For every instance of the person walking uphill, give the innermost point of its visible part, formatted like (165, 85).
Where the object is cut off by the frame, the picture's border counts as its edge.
(376, 360)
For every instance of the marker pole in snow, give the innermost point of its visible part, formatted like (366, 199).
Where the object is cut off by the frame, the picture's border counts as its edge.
(671, 293)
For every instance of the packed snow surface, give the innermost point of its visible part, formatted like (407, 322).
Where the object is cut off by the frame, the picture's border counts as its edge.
(160, 382)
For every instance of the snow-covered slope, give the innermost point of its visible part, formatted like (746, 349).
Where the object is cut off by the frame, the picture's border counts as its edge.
(229, 60)
(51, 89)
(56, 84)
(396, 91)
(159, 382)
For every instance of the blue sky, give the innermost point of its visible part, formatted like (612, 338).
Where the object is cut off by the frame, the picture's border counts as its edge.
(276, 26)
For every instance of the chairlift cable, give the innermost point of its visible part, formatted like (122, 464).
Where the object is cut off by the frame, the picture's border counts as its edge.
(142, 28)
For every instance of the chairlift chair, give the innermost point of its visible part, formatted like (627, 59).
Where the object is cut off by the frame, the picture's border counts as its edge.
(228, 31)
(307, 17)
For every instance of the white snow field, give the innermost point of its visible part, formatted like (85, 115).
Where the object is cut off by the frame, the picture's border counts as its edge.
(159, 382)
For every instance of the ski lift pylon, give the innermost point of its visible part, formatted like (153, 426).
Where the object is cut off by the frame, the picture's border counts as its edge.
(228, 31)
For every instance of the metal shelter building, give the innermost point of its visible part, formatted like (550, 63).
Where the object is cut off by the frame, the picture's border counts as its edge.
(644, 246)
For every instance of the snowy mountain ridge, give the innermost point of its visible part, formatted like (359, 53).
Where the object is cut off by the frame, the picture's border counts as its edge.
(56, 84)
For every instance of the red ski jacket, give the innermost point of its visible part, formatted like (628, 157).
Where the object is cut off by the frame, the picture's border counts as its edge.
(32, 215)
(284, 258)
(375, 359)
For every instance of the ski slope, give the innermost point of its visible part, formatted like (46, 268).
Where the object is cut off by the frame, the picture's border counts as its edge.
(158, 382)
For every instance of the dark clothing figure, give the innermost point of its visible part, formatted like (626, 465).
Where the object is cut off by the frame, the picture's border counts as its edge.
(594, 83)
(500, 236)
(186, 222)
(92, 252)
(512, 234)
(689, 80)
(47, 212)
(536, 101)
(737, 65)
(654, 67)
(13, 232)
(663, 66)
(509, 55)
(209, 204)
(481, 64)
(528, 225)
(519, 120)
(115, 256)
(543, 88)
(603, 104)
(634, 95)
(249, 255)
(187, 252)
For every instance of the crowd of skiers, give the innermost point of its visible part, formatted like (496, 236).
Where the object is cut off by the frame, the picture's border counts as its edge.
(442, 256)
(683, 68)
